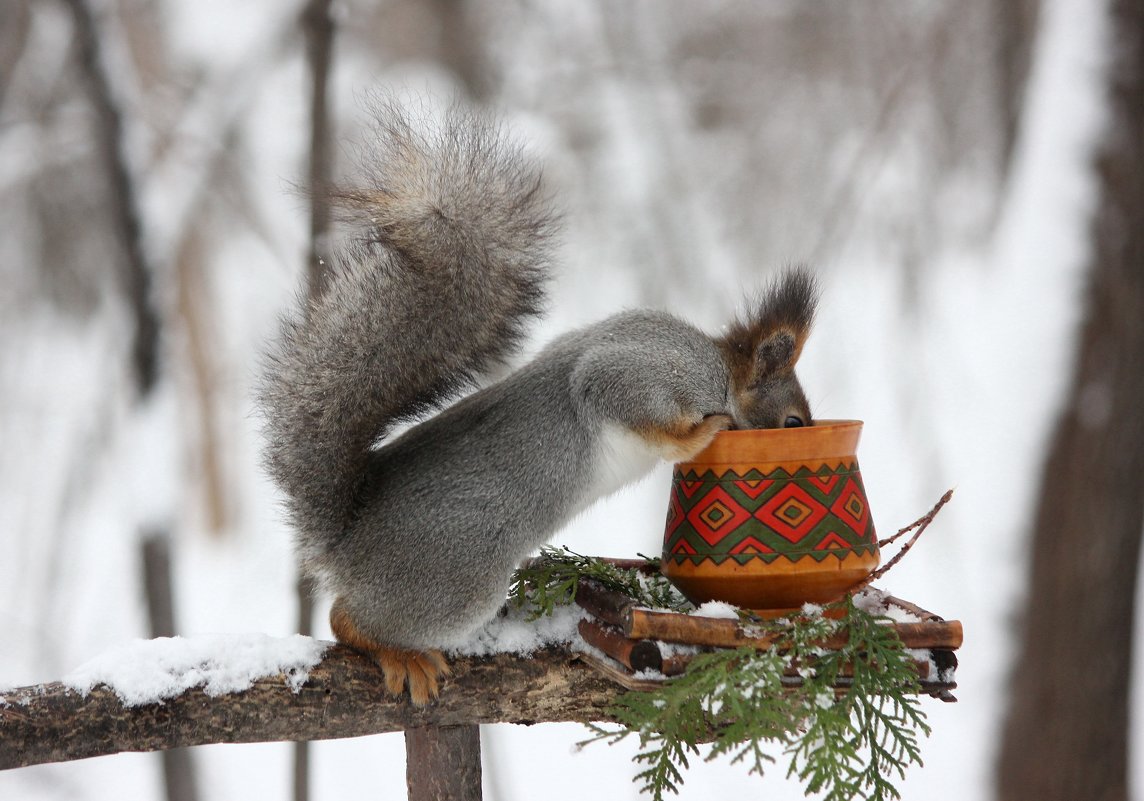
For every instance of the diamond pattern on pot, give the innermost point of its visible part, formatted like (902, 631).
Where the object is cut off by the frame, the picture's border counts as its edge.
(753, 488)
(791, 513)
(690, 485)
(717, 515)
(852, 510)
(750, 545)
(682, 548)
(824, 480)
(675, 515)
(833, 541)
(818, 512)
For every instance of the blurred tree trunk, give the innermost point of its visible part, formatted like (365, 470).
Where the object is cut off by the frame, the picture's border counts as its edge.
(1016, 35)
(1067, 732)
(459, 47)
(178, 764)
(109, 141)
(15, 22)
(318, 29)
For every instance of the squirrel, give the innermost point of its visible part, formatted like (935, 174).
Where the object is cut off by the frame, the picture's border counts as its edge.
(417, 536)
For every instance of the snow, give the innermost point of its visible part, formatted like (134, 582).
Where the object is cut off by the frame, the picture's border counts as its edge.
(512, 633)
(716, 609)
(925, 657)
(150, 671)
(876, 602)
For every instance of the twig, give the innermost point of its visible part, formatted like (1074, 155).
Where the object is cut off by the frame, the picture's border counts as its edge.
(921, 525)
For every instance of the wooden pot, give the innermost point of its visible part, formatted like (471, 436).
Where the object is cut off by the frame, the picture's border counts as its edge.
(771, 519)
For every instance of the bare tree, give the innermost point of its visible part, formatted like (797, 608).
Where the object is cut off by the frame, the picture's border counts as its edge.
(109, 139)
(318, 28)
(1016, 28)
(178, 764)
(1067, 732)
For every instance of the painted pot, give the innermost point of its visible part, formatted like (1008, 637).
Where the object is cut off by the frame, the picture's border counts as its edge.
(771, 519)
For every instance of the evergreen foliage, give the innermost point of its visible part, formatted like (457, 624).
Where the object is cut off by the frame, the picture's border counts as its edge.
(551, 580)
(750, 704)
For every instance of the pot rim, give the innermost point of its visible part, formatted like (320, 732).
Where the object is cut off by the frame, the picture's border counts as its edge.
(826, 439)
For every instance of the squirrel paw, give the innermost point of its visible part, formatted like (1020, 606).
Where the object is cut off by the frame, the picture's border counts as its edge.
(683, 439)
(420, 670)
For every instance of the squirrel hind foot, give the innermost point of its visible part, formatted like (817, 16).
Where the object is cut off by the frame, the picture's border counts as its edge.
(421, 671)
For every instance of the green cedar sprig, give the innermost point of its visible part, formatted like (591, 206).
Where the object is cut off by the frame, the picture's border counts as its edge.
(747, 704)
(550, 580)
(869, 736)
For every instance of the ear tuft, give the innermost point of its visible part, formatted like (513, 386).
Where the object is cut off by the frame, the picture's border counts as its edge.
(790, 302)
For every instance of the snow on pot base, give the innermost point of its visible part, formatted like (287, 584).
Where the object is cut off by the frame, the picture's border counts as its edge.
(771, 519)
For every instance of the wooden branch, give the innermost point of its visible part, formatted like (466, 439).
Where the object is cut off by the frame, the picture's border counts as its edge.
(638, 623)
(344, 697)
(635, 654)
(670, 627)
(640, 655)
(443, 763)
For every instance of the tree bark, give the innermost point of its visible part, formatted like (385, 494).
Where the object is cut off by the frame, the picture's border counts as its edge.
(443, 763)
(344, 697)
(1066, 735)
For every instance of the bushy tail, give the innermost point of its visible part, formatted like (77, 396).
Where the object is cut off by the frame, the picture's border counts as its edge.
(449, 260)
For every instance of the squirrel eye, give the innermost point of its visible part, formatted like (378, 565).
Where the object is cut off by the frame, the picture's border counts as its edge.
(793, 422)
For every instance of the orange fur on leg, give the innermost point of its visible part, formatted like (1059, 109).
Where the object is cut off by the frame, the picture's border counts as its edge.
(684, 439)
(420, 670)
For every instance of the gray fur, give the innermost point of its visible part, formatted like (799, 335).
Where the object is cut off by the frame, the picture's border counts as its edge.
(418, 537)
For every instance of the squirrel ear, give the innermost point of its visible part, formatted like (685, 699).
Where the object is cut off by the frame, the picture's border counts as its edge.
(777, 353)
(786, 315)
(769, 339)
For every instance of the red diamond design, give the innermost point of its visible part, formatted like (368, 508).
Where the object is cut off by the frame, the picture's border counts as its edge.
(832, 541)
(792, 513)
(825, 483)
(674, 515)
(717, 515)
(690, 487)
(683, 547)
(755, 487)
(751, 545)
(851, 508)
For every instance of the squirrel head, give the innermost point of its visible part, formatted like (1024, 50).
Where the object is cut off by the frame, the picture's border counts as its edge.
(761, 351)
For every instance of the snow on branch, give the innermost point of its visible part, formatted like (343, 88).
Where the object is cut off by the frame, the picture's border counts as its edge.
(195, 700)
